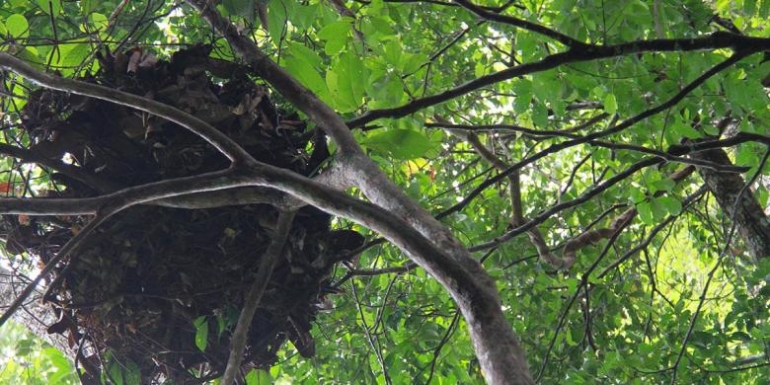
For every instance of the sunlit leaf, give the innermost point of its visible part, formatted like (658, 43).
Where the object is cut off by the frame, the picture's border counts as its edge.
(17, 25)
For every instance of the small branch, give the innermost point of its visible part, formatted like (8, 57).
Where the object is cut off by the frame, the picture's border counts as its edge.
(742, 45)
(130, 196)
(672, 158)
(266, 265)
(658, 228)
(741, 137)
(444, 339)
(77, 173)
(370, 273)
(72, 245)
(523, 24)
(535, 236)
(377, 352)
(540, 218)
(614, 130)
(563, 318)
(501, 127)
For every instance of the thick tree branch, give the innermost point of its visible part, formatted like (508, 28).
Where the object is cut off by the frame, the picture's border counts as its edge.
(738, 203)
(434, 248)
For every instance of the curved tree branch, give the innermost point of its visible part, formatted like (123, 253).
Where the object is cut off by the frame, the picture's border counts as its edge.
(434, 248)
(216, 138)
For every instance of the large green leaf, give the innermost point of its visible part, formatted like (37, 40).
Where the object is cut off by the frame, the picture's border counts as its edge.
(401, 144)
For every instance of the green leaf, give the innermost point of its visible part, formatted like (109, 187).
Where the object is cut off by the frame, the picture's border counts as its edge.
(680, 129)
(122, 372)
(645, 212)
(637, 195)
(658, 211)
(242, 8)
(540, 115)
(98, 21)
(392, 53)
(201, 332)
(672, 205)
(299, 51)
(399, 143)
(302, 68)
(17, 25)
(662, 185)
(710, 129)
(69, 55)
(48, 5)
(336, 35)
(276, 19)
(343, 81)
(259, 377)
(610, 104)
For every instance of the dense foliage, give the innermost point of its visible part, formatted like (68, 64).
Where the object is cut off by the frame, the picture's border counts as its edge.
(619, 252)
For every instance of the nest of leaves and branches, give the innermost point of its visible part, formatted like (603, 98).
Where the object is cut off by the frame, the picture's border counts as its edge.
(158, 290)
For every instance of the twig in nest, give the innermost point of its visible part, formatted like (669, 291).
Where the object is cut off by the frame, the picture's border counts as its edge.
(269, 259)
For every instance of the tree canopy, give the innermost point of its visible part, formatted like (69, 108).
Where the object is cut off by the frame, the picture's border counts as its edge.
(386, 191)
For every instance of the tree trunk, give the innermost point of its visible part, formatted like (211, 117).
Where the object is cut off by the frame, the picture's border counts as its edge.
(738, 203)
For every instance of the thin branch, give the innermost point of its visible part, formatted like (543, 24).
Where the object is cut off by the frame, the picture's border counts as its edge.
(742, 45)
(655, 230)
(535, 236)
(672, 158)
(586, 196)
(501, 127)
(437, 351)
(148, 193)
(77, 173)
(741, 137)
(266, 265)
(702, 299)
(563, 318)
(73, 244)
(523, 24)
(616, 129)
(369, 338)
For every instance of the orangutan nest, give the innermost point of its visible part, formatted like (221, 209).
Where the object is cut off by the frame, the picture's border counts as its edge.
(134, 292)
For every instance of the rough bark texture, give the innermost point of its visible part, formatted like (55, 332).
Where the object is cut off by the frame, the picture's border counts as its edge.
(738, 203)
